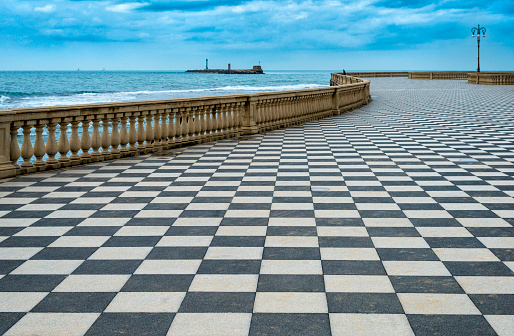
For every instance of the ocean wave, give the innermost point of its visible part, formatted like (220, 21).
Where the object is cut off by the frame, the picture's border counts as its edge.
(107, 97)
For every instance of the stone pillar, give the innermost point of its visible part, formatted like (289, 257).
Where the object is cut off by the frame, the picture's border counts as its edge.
(6, 167)
(249, 125)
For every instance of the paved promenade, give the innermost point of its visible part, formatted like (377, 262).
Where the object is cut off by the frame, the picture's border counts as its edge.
(393, 219)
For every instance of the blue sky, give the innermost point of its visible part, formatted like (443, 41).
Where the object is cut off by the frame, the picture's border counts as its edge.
(295, 34)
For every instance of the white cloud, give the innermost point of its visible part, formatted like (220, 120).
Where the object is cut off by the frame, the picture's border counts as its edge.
(126, 7)
(45, 9)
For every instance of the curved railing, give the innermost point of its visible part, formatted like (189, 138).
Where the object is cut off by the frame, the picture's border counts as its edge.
(97, 132)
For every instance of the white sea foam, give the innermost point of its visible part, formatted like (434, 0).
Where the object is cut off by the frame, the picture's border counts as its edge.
(91, 97)
(4, 99)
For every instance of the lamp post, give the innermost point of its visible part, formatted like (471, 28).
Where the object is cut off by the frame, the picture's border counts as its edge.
(478, 31)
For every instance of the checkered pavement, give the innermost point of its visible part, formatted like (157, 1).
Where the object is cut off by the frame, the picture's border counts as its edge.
(393, 219)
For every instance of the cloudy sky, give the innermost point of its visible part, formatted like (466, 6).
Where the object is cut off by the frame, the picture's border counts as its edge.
(283, 34)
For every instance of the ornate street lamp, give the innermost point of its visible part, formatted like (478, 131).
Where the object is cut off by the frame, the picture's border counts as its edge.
(478, 31)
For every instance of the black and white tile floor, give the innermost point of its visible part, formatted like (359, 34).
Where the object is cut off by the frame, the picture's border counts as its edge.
(394, 219)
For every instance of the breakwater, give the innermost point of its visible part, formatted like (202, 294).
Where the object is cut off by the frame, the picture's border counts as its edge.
(108, 131)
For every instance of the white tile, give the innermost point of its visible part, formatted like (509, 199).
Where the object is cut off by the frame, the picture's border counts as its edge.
(483, 222)
(44, 231)
(120, 253)
(247, 213)
(18, 253)
(288, 221)
(185, 241)
(292, 206)
(92, 283)
(358, 283)
(437, 304)
(210, 324)
(140, 194)
(486, 284)
(93, 200)
(224, 283)
(104, 222)
(343, 253)
(79, 241)
(425, 231)
(172, 200)
(19, 301)
(201, 221)
(53, 324)
(463, 206)
(208, 206)
(17, 222)
(254, 231)
(146, 302)
(336, 214)
(252, 253)
(502, 324)
(158, 213)
(427, 214)
(465, 254)
(291, 241)
(291, 267)
(71, 214)
(416, 268)
(342, 231)
(142, 231)
(47, 267)
(497, 242)
(124, 206)
(41, 207)
(168, 266)
(387, 222)
(377, 206)
(370, 325)
(399, 242)
(290, 302)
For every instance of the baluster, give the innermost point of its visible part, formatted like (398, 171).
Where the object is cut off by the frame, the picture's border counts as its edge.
(15, 147)
(157, 130)
(223, 120)
(149, 130)
(106, 141)
(51, 144)
(85, 139)
(140, 132)
(115, 136)
(95, 139)
(209, 122)
(190, 125)
(132, 136)
(124, 136)
(172, 127)
(198, 121)
(215, 121)
(180, 119)
(39, 144)
(63, 146)
(203, 128)
(74, 140)
(26, 147)
(164, 129)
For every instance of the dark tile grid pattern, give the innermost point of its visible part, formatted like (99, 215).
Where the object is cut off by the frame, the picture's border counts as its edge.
(392, 219)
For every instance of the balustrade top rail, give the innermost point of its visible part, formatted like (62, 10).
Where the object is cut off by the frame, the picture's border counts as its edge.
(133, 128)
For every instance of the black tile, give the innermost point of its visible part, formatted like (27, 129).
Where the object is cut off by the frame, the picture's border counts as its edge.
(491, 231)
(382, 214)
(450, 325)
(392, 232)
(503, 254)
(494, 304)
(158, 283)
(7, 320)
(478, 268)
(93, 231)
(166, 206)
(150, 222)
(241, 221)
(27, 214)
(290, 283)
(426, 284)
(292, 214)
(345, 242)
(28, 241)
(364, 303)
(132, 241)
(203, 213)
(453, 242)
(229, 267)
(291, 253)
(410, 254)
(435, 222)
(243, 241)
(217, 302)
(190, 252)
(108, 267)
(6, 266)
(191, 231)
(339, 222)
(291, 231)
(353, 267)
(131, 324)
(30, 283)
(290, 325)
(472, 214)
(74, 303)
(64, 253)
(58, 222)
(114, 214)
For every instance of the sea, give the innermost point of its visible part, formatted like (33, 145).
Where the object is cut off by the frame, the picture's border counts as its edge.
(52, 88)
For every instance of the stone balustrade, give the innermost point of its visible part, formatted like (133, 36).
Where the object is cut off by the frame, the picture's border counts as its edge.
(378, 74)
(97, 132)
(491, 78)
(451, 75)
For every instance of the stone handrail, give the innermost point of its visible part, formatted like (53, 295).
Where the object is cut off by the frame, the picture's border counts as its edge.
(379, 74)
(453, 75)
(491, 78)
(108, 131)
